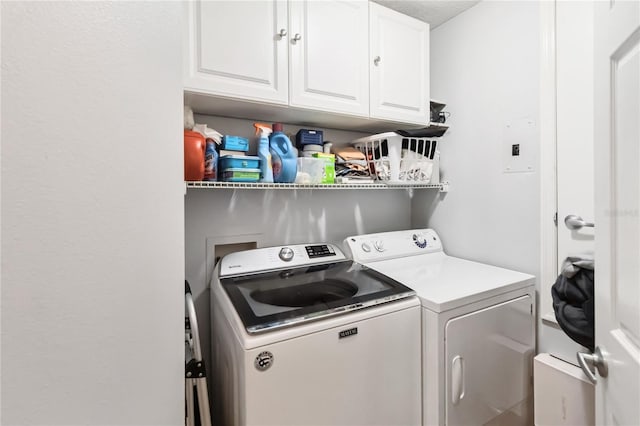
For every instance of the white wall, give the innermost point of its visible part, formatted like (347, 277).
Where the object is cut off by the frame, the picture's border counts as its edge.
(485, 67)
(92, 214)
(277, 217)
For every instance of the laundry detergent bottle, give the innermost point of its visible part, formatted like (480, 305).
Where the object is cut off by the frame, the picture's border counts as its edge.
(266, 171)
(284, 157)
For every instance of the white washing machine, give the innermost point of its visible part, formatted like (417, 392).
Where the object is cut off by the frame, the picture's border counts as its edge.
(301, 335)
(478, 325)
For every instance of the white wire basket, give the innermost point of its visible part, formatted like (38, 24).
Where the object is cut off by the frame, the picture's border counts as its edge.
(397, 159)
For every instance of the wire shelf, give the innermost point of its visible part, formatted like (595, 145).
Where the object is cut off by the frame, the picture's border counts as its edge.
(443, 187)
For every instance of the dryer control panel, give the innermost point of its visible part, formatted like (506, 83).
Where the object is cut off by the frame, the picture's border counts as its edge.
(391, 245)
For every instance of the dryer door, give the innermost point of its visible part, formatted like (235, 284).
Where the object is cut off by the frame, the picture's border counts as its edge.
(489, 355)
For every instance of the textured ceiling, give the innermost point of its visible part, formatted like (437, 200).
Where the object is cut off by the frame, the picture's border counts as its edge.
(435, 12)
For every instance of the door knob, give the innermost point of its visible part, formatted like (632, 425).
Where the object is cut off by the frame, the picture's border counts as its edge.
(574, 222)
(282, 33)
(296, 38)
(595, 359)
(376, 61)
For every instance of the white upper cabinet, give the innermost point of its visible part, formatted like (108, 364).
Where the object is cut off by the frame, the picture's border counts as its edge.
(235, 49)
(346, 63)
(399, 64)
(328, 53)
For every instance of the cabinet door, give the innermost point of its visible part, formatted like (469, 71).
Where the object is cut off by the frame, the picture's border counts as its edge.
(328, 45)
(235, 49)
(399, 64)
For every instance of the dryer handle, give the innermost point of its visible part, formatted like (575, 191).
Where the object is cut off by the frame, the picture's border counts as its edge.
(457, 379)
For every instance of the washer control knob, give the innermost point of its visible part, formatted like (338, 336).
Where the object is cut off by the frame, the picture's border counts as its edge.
(379, 245)
(420, 240)
(365, 247)
(286, 254)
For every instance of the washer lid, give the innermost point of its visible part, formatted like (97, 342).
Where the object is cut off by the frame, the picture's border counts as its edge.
(443, 282)
(275, 299)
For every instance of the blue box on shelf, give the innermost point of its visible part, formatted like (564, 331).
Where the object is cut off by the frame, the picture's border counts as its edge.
(309, 137)
(235, 143)
(238, 162)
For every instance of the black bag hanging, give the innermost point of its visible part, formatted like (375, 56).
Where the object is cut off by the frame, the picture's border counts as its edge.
(573, 304)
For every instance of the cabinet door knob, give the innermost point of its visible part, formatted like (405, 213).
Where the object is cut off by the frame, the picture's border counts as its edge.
(376, 61)
(282, 33)
(296, 38)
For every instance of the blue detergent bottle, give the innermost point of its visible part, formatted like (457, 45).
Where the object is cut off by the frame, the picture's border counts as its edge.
(266, 171)
(284, 158)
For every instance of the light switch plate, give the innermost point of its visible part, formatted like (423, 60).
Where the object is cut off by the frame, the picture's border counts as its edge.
(518, 142)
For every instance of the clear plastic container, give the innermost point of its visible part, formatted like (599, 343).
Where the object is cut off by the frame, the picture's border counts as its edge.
(310, 171)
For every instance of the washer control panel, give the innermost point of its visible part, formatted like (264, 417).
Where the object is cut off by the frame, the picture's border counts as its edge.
(273, 258)
(389, 245)
(323, 250)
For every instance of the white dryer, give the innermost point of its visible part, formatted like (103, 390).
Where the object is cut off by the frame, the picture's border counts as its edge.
(478, 325)
(301, 335)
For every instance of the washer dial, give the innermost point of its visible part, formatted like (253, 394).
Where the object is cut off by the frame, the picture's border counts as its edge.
(286, 254)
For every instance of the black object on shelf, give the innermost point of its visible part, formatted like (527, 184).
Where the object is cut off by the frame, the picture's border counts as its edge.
(436, 126)
(437, 116)
(432, 131)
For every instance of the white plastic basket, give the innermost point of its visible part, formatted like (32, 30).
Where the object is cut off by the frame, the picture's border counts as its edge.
(398, 159)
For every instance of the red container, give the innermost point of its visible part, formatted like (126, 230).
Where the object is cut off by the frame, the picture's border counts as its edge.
(194, 147)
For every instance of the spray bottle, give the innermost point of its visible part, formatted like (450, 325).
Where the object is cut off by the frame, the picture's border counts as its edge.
(266, 172)
(213, 139)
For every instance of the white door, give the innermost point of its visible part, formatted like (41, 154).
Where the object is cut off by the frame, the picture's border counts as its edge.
(574, 153)
(617, 196)
(399, 66)
(574, 103)
(237, 49)
(328, 45)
